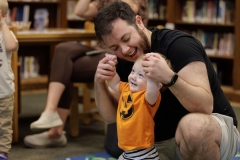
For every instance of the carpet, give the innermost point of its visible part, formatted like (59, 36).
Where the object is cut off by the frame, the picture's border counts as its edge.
(106, 156)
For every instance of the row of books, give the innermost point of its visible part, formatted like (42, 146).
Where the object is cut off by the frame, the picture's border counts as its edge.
(20, 13)
(211, 11)
(157, 9)
(29, 67)
(215, 43)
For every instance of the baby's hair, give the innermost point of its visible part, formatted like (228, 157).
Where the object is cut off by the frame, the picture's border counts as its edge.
(140, 58)
(4, 7)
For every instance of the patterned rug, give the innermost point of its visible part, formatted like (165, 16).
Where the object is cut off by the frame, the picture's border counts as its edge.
(106, 156)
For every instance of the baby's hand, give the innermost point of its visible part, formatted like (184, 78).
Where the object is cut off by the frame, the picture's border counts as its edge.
(2, 19)
(148, 55)
(112, 59)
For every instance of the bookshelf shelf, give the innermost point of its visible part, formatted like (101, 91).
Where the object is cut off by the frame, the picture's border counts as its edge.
(37, 83)
(39, 79)
(179, 22)
(221, 57)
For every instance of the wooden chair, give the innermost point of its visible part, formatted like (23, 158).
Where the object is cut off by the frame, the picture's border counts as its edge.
(86, 99)
(15, 65)
(89, 112)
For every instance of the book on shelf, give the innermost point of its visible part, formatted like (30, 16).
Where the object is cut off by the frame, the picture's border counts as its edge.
(221, 12)
(162, 11)
(13, 13)
(29, 67)
(26, 10)
(226, 44)
(229, 12)
(225, 12)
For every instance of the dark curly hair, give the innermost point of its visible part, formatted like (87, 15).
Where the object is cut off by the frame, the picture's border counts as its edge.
(111, 12)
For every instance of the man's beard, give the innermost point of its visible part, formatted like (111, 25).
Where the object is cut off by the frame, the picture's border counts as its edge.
(144, 44)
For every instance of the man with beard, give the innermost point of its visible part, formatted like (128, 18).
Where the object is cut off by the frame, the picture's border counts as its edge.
(194, 120)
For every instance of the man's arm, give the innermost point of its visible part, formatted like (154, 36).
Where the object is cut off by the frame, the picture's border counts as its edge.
(105, 98)
(192, 87)
(115, 81)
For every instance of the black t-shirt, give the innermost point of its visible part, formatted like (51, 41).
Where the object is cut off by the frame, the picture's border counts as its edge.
(181, 49)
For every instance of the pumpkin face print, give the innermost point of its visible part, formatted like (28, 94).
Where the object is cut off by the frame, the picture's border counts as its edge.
(127, 108)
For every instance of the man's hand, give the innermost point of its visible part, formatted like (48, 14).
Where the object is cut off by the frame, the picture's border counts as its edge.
(106, 68)
(156, 68)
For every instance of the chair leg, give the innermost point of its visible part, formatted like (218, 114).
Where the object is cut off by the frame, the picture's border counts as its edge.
(73, 117)
(87, 105)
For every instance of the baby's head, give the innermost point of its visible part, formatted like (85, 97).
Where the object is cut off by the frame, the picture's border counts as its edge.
(4, 7)
(137, 78)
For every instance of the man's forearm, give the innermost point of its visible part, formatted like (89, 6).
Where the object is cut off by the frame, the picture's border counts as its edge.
(106, 104)
(193, 98)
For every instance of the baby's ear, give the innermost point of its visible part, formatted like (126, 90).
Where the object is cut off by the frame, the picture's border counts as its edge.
(160, 85)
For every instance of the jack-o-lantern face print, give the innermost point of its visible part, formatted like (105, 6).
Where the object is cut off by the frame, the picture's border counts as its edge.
(127, 108)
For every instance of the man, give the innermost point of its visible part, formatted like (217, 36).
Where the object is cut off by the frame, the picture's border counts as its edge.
(194, 120)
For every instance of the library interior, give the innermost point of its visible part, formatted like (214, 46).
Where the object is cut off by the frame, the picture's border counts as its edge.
(39, 25)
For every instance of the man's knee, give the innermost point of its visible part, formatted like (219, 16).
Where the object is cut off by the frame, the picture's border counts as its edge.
(195, 133)
(195, 126)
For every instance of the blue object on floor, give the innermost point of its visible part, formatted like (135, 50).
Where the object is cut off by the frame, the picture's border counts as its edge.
(94, 156)
(237, 157)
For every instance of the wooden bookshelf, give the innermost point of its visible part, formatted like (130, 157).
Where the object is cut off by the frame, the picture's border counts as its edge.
(38, 83)
(173, 14)
(41, 44)
(230, 65)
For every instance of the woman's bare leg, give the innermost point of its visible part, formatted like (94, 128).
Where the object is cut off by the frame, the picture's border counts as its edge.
(56, 132)
(54, 94)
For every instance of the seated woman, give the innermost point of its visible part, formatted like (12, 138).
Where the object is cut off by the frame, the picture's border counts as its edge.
(70, 64)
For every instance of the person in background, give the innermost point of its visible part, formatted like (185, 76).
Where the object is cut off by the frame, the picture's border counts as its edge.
(194, 120)
(70, 64)
(138, 103)
(8, 44)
